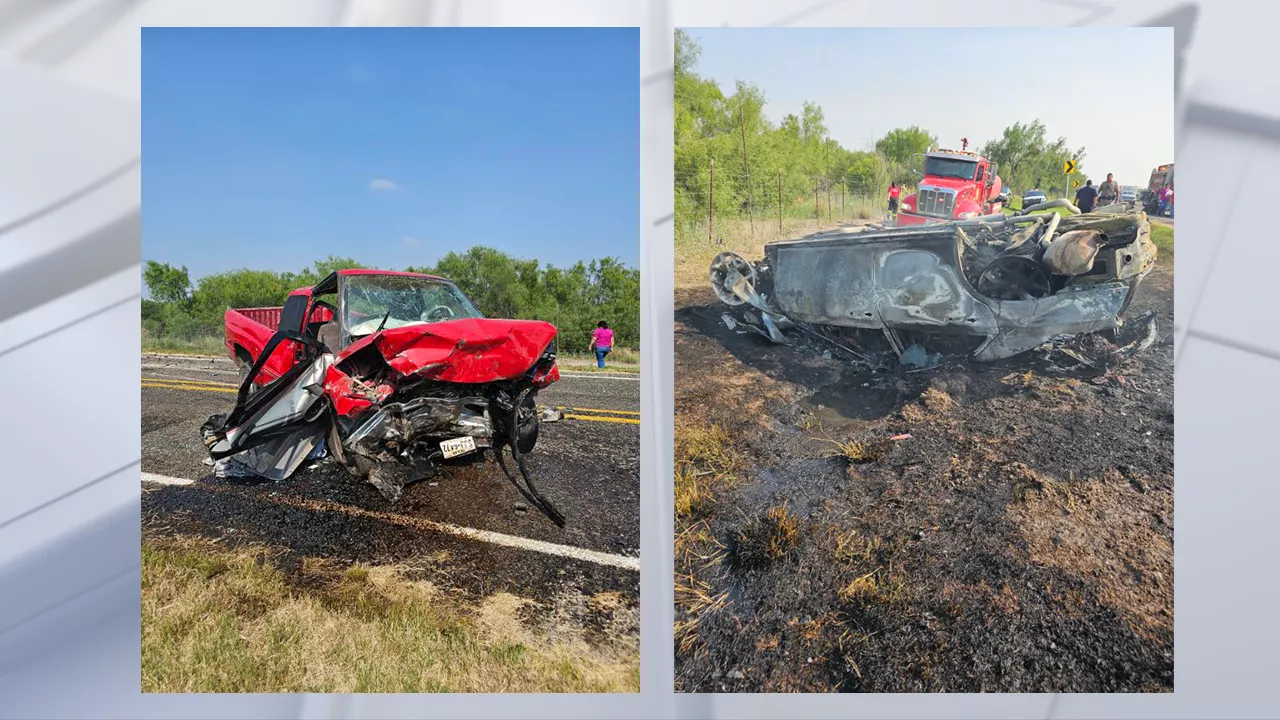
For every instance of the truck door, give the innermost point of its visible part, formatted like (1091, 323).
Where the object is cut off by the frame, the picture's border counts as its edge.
(274, 428)
(983, 179)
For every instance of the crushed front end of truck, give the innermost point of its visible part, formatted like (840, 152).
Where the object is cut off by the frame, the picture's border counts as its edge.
(1000, 285)
(397, 406)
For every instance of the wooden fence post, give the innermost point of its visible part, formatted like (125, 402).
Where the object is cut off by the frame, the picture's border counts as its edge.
(779, 199)
(711, 203)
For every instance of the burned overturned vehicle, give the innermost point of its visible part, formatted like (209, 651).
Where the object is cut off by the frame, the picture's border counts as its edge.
(995, 286)
(392, 375)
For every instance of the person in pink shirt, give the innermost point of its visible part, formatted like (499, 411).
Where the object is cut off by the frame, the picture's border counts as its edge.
(1166, 198)
(601, 342)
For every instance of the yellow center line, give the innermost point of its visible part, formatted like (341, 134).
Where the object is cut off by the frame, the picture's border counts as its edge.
(189, 387)
(188, 381)
(182, 385)
(601, 410)
(595, 418)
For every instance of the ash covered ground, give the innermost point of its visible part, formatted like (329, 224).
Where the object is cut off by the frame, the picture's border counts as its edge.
(997, 527)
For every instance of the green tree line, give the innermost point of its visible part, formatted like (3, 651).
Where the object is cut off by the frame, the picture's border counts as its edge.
(764, 168)
(574, 298)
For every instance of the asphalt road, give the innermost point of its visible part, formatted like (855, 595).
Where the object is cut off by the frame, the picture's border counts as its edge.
(462, 528)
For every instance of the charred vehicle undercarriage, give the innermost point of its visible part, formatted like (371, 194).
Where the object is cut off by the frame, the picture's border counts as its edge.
(997, 285)
(409, 389)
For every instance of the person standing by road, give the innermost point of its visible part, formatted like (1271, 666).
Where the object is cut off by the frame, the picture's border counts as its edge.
(1109, 191)
(1086, 196)
(1166, 199)
(601, 342)
(893, 199)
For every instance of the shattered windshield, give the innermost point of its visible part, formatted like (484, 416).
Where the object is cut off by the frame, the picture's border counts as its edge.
(948, 167)
(401, 300)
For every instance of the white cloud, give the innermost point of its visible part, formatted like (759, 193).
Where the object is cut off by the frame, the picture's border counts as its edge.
(411, 241)
(383, 184)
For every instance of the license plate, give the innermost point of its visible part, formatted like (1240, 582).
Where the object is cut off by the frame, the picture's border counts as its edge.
(457, 446)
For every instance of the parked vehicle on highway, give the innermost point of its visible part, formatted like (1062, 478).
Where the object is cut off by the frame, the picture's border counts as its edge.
(391, 374)
(1033, 197)
(956, 185)
(1128, 195)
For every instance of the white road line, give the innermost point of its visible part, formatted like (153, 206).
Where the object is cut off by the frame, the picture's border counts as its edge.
(164, 479)
(566, 551)
(599, 376)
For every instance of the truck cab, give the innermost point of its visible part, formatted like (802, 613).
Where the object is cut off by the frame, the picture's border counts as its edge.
(345, 307)
(956, 185)
(1161, 177)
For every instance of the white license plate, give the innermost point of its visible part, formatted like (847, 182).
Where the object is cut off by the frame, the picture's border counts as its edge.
(457, 446)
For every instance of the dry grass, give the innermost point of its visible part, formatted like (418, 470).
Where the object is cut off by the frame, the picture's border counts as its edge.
(220, 621)
(1060, 392)
(694, 598)
(852, 548)
(881, 585)
(200, 346)
(694, 251)
(705, 463)
(936, 401)
(855, 452)
(619, 355)
(766, 538)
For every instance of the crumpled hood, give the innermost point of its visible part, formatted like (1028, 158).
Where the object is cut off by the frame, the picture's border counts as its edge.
(469, 350)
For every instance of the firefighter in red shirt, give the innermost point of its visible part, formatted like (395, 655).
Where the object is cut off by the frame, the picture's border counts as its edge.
(893, 199)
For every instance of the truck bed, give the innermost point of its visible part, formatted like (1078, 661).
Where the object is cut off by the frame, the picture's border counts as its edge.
(268, 317)
(248, 330)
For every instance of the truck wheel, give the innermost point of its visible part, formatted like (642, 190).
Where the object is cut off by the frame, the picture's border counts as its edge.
(530, 423)
(243, 365)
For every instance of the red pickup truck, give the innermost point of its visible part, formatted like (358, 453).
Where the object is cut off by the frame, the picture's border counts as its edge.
(391, 374)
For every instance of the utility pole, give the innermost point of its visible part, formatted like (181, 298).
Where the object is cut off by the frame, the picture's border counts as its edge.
(747, 166)
(779, 199)
(711, 203)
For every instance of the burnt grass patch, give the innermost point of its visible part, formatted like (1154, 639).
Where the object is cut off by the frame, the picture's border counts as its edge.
(970, 528)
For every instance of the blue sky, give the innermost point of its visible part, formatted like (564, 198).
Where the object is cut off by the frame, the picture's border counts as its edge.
(271, 148)
(1107, 89)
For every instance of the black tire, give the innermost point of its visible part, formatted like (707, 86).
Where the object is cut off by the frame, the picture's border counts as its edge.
(243, 364)
(527, 434)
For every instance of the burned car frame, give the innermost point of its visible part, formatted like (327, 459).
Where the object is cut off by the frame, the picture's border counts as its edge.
(402, 377)
(1009, 282)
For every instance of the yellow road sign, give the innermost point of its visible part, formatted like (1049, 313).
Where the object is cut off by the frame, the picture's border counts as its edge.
(1075, 183)
(1069, 167)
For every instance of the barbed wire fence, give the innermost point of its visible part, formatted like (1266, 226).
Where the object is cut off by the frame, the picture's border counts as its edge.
(771, 201)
